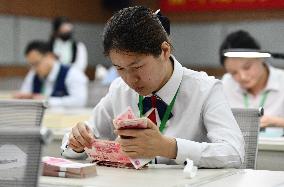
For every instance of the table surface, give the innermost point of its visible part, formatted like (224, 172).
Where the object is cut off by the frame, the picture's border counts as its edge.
(271, 144)
(61, 121)
(7, 94)
(170, 177)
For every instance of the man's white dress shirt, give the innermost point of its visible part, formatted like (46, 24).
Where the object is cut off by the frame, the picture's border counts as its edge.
(274, 102)
(202, 123)
(76, 84)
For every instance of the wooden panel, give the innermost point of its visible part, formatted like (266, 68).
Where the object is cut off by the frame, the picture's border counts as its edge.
(83, 10)
(226, 16)
(217, 72)
(13, 71)
(91, 72)
(21, 71)
(93, 11)
(215, 16)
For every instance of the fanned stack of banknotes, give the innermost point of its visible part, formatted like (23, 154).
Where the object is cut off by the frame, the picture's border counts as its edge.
(103, 152)
(109, 153)
(59, 167)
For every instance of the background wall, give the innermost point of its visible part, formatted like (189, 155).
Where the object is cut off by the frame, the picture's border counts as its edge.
(196, 36)
(196, 44)
(16, 32)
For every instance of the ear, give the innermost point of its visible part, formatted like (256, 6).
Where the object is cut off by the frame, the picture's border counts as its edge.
(51, 57)
(50, 54)
(166, 50)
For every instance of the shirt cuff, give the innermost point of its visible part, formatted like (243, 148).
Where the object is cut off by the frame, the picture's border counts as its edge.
(187, 149)
(69, 153)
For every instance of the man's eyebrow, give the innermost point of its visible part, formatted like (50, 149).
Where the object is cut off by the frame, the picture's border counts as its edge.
(115, 65)
(131, 64)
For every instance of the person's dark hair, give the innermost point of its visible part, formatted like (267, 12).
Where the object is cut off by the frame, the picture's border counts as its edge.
(165, 22)
(237, 40)
(57, 22)
(134, 29)
(38, 45)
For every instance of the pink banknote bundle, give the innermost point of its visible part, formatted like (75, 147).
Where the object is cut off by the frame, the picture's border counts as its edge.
(109, 153)
(59, 167)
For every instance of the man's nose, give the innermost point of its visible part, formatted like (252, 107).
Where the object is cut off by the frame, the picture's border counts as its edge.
(132, 78)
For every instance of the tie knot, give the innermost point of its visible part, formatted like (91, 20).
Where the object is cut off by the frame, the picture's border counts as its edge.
(154, 101)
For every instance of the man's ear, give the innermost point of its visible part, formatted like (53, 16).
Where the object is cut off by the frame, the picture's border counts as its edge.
(166, 50)
(50, 54)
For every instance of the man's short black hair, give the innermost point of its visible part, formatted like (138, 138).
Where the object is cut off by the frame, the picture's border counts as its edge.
(134, 29)
(237, 40)
(38, 45)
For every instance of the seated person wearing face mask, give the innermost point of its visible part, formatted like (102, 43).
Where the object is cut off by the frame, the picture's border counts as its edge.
(253, 82)
(61, 85)
(67, 49)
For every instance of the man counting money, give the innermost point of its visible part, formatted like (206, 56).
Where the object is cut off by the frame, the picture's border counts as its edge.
(189, 116)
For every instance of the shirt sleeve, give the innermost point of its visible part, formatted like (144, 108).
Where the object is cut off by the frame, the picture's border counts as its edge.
(77, 87)
(81, 60)
(100, 122)
(226, 144)
(28, 82)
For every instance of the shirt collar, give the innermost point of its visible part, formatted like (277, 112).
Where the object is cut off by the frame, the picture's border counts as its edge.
(168, 91)
(54, 72)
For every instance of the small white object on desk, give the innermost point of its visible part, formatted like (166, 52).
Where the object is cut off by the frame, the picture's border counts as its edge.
(189, 170)
(164, 166)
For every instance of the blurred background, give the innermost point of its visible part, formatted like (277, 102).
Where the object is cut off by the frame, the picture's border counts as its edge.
(197, 28)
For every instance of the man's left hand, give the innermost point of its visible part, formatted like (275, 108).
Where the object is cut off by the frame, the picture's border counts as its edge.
(146, 143)
(266, 121)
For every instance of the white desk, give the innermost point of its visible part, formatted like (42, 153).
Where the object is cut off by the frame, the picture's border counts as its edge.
(6, 94)
(171, 177)
(270, 154)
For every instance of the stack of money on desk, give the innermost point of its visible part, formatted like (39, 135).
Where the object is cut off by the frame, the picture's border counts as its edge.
(59, 167)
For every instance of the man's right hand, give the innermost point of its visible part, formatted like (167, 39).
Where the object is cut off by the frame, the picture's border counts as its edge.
(80, 137)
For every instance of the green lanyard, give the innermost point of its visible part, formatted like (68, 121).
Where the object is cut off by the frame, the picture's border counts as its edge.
(42, 89)
(167, 113)
(262, 100)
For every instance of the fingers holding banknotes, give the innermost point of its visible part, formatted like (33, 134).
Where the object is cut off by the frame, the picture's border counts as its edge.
(146, 143)
(143, 142)
(80, 137)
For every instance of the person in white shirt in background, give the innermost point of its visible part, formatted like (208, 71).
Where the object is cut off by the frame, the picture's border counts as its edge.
(200, 127)
(60, 85)
(68, 50)
(252, 82)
